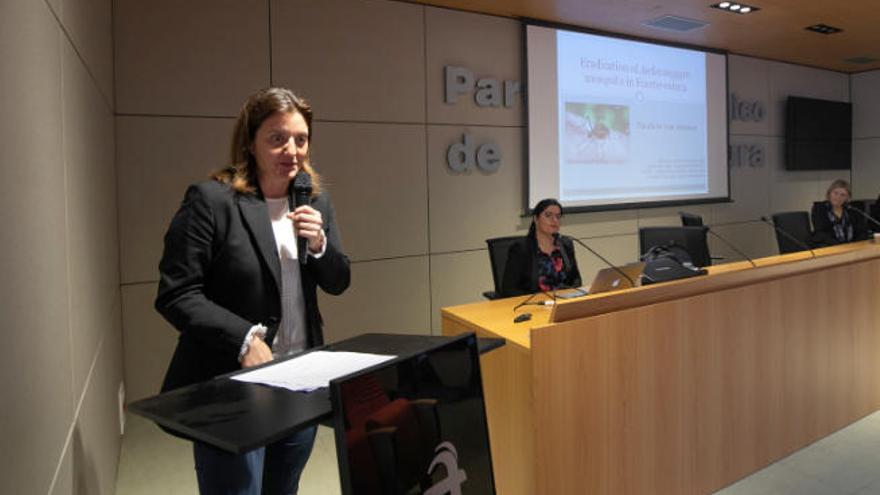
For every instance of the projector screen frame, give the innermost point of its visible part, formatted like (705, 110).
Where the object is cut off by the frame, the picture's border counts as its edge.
(527, 207)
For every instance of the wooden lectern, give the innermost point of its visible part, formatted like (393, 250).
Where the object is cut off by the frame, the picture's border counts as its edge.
(682, 387)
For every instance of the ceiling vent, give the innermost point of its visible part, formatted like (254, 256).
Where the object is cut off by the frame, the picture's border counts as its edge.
(860, 60)
(823, 29)
(675, 23)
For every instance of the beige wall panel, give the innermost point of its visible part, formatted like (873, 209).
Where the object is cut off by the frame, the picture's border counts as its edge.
(748, 79)
(458, 278)
(156, 159)
(755, 239)
(794, 80)
(664, 217)
(378, 182)
(866, 104)
(387, 296)
(91, 215)
(38, 400)
(63, 483)
(96, 436)
(619, 250)
(353, 59)
(600, 223)
(149, 341)
(490, 47)
(468, 208)
(89, 23)
(789, 191)
(588, 224)
(866, 168)
(55, 5)
(201, 57)
(749, 186)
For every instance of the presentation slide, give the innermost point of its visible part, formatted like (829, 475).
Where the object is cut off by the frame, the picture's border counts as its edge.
(621, 123)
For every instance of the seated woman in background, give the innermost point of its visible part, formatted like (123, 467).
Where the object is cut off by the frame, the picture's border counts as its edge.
(832, 223)
(543, 260)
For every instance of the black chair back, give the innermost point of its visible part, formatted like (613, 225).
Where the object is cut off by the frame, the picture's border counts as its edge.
(874, 211)
(690, 220)
(868, 207)
(498, 248)
(796, 224)
(691, 238)
(862, 204)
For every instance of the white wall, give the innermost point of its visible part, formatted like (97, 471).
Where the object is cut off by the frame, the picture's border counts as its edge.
(59, 296)
(373, 70)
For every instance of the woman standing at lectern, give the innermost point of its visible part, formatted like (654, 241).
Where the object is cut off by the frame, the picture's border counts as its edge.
(543, 260)
(237, 284)
(833, 223)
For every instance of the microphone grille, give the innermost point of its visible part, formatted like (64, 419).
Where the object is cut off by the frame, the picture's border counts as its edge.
(302, 183)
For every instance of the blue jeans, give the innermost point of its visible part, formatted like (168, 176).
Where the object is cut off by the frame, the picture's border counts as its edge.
(273, 469)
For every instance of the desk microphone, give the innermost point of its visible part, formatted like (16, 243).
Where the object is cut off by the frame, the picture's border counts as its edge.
(731, 246)
(862, 213)
(613, 267)
(789, 236)
(528, 300)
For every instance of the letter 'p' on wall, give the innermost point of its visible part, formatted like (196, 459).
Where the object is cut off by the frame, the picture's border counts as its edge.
(488, 92)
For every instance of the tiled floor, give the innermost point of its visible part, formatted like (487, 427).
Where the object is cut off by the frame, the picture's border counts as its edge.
(154, 462)
(847, 462)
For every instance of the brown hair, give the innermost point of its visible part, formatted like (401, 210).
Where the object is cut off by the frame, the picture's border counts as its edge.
(839, 183)
(241, 173)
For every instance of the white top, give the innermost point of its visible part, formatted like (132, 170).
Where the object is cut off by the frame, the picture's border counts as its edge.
(291, 334)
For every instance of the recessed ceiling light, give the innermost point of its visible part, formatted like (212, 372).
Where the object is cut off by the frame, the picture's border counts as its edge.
(735, 8)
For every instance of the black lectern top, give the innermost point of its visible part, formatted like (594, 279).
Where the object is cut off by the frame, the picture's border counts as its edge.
(238, 417)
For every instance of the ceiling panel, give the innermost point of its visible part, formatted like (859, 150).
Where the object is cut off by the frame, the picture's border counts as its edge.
(775, 32)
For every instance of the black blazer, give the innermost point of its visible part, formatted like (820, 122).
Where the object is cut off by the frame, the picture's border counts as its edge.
(823, 229)
(521, 269)
(220, 274)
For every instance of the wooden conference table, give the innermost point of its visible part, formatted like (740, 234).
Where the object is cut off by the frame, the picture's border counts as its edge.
(681, 387)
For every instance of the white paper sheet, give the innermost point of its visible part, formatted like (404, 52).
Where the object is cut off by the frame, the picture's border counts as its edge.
(313, 370)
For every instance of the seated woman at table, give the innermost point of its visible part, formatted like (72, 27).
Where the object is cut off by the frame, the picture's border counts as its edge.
(543, 260)
(833, 223)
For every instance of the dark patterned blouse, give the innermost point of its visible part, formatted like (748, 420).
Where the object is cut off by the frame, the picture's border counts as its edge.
(842, 227)
(551, 270)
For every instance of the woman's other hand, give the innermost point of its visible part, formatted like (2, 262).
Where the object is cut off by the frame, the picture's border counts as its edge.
(258, 353)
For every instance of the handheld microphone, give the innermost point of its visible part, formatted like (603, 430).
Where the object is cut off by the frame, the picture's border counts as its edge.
(302, 191)
(731, 246)
(789, 236)
(612, 265)
(863, 214)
